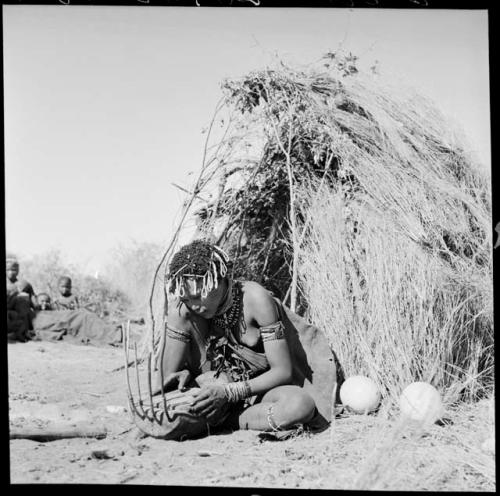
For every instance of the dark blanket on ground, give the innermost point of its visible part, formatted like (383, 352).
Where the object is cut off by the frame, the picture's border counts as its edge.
(78, 326)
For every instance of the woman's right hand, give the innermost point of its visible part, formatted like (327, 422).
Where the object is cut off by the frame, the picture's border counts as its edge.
(181, 378)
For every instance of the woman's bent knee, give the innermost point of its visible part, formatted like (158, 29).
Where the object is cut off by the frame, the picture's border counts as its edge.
(295, 407)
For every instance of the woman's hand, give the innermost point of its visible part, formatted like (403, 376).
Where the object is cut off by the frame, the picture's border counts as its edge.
(209, 401)
(181, 378)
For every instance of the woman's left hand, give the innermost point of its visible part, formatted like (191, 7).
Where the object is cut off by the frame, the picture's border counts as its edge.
(209, 400)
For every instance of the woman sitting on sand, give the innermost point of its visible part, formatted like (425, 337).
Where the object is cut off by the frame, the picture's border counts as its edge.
(239, 326)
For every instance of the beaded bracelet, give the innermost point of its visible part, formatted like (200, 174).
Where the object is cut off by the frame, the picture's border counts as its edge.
(236, 391)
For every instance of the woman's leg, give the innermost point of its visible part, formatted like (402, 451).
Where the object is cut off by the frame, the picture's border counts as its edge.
(280, 408)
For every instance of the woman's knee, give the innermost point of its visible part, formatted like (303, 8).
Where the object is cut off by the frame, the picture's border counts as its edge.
(294, 406)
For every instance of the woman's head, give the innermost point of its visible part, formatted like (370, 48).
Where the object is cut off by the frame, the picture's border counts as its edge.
(197, 275)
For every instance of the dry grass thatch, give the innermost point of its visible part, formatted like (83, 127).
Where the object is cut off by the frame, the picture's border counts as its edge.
(396, 261)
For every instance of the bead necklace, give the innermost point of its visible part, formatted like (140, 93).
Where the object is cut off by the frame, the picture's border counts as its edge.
(219, 351)
(230, 319)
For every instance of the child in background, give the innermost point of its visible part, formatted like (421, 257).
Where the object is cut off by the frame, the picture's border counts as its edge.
(66, 300)
(44, 302)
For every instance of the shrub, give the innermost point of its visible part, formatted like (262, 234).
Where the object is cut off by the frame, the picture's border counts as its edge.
(132, 272)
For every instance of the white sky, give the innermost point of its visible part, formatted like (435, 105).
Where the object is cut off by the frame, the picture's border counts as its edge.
(104, 106)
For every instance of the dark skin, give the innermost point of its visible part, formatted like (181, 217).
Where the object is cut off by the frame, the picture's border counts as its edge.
(67, 299)
(14, 284)
(12, 272)
(21, 300)
(290, 403)
(65, 288)
(44, 302)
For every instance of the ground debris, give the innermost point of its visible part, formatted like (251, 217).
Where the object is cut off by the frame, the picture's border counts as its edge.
(128, 477)
(106, 454)
(208, 453)
(116, 409)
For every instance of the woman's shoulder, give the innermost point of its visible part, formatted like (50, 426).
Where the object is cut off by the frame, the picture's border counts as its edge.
(258, 300)
(255, 291)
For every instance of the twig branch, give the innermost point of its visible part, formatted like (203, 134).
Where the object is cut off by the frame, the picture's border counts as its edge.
(287, 153)
(186, 209)
(194, 193)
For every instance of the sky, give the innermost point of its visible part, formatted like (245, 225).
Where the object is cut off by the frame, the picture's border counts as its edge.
(104, 107)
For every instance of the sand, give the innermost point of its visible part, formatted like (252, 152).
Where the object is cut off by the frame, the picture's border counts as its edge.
(76, 386)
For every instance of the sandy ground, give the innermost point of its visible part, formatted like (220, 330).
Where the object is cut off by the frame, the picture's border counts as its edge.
(68, 385)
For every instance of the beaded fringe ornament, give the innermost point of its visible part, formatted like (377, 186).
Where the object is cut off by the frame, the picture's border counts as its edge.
(210, 280)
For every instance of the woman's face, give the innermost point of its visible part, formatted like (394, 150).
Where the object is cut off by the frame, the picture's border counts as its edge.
(207, 306)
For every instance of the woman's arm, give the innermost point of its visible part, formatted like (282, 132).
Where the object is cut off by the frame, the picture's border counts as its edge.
(173, 350)
(263, 310)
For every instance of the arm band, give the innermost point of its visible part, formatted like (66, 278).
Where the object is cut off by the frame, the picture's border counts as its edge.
(273, 331)
(184, 336)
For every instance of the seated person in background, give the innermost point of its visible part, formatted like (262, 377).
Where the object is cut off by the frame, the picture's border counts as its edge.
(66, 300)
(44, 302)
(66, 319)
(21, 303)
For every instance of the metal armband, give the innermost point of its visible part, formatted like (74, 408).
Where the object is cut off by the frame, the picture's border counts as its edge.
(273, 331)
(180, 335)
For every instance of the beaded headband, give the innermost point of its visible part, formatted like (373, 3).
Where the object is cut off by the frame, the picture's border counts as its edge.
(209, 280)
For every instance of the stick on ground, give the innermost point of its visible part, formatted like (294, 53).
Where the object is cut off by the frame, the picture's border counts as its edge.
(55, 433)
